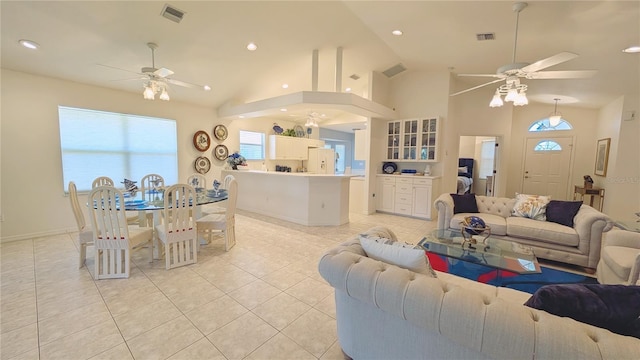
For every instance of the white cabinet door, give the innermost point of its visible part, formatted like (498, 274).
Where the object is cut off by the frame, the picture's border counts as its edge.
(360, 145)
(288, 148)
(386, 193)
(422, 201)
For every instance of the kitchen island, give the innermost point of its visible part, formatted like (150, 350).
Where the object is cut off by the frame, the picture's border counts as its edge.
(302, 198)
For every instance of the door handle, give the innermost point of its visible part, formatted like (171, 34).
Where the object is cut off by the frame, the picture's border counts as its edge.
(526, 177)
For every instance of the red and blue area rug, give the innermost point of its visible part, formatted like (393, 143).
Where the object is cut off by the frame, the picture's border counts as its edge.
(523, 282)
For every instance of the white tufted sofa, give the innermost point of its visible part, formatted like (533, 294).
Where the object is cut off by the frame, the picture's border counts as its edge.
(386, 312)
(579, 245)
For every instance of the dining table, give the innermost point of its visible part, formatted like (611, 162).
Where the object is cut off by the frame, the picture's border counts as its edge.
(152, 201)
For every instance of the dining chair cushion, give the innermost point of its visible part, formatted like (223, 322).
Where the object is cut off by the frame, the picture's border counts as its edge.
(212, 221)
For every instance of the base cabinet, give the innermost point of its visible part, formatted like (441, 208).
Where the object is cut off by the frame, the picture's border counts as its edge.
(405, 195)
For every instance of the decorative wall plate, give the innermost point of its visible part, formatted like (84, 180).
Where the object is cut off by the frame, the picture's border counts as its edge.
(389, 167)
(202, 165)
(221, 152)
(220, 132)
(201, 140)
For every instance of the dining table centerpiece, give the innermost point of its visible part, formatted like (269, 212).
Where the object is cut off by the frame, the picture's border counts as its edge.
(235, 160)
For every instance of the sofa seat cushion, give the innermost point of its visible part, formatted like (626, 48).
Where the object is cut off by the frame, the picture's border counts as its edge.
(497, 223)
(542, 231)
(620, 259)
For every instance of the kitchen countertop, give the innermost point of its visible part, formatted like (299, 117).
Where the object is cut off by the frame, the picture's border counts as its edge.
(411, 176)
(279, 173)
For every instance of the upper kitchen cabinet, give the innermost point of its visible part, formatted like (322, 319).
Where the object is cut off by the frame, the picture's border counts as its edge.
(291, 148)
(413, 139)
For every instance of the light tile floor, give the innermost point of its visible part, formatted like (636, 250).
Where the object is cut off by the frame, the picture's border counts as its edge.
(264, 299)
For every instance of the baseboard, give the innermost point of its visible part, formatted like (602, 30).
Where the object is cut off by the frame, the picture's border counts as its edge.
(7, 239)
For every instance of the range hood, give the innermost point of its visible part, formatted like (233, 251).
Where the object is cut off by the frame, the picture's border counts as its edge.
(303, 100)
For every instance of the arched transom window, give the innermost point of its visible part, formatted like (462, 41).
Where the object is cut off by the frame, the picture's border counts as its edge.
(547, 145)
(544, 125)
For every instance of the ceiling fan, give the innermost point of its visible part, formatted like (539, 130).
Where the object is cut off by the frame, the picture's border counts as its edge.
(157, 80)
(511, 73)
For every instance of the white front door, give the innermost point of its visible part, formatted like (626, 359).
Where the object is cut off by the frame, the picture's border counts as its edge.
(547, 166)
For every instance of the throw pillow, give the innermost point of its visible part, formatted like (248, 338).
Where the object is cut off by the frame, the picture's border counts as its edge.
(611, 307)
(464, 203)
(463, 170)
(406, 256)
(531, 206)
(562, 212)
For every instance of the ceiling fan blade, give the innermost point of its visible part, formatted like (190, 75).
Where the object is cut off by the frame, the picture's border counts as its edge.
(184, 84)
(163, 72)
(130, 79)
(117, 68)
(476, 87)
(501, 76)
(569, 74)
(550, 61)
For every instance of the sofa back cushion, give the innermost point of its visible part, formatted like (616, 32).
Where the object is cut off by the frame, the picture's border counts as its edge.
(495, 205)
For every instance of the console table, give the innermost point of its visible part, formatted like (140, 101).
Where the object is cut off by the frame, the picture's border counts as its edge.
(592, 192)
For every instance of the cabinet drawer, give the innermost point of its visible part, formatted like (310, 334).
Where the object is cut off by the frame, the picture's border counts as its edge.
(422, 181)
(404, 209)
(404, 199)
(404, 180)
(404, 188)
(387, 179)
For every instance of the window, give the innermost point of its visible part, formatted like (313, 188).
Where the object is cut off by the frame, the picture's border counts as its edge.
(543, 125)
(487, 155)
(547, 145)
(252, 145)
(98, 143)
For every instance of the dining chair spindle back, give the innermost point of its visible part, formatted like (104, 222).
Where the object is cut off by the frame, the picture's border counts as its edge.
(178, 230)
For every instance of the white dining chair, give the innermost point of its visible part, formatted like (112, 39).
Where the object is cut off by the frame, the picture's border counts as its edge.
(102, 181)
(222, 224)
(197, 180)
(177, 232)
(132, 216)
(217, 208)
(112, 237)
(148, 184)
(85, 234)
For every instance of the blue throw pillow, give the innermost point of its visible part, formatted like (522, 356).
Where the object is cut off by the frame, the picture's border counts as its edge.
(464, 203)
(611, 307)
(562, 212)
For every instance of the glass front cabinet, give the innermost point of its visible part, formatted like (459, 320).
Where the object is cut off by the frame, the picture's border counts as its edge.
(413, 139)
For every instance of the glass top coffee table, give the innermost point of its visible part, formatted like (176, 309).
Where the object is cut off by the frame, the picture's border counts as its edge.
(494, 253)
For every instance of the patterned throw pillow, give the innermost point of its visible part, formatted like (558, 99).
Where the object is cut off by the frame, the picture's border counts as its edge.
(531, 206)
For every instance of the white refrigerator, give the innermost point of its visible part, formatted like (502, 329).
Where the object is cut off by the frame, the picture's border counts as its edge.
(321, 161)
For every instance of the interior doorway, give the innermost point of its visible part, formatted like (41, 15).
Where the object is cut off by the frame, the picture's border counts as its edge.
(484, 152)
(547, 166)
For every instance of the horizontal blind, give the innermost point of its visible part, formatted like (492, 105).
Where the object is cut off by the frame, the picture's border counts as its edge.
(98, 143)
(252, 145)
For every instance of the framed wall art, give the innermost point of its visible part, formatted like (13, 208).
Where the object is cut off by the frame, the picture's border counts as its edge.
(602, 156)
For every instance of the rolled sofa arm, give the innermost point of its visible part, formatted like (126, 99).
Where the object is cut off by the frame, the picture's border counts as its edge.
(590, 223)
(628, 239)
(444, 204)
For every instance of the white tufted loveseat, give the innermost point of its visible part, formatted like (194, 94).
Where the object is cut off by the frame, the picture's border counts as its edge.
(579, 245)
(386, 312)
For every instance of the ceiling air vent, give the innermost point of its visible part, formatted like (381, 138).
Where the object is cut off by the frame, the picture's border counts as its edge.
(172, 13)
(355, 77)
(394, 70)
(485, 36)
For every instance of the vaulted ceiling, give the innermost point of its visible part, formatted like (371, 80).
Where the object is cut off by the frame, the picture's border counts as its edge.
(103, 43)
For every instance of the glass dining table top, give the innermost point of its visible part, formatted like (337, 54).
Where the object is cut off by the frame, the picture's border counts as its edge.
(154, 199)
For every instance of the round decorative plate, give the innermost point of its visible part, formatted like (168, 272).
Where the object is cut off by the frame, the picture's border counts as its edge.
(202, 165)
(389, 167)
(220, 132)
(221, 152)
(299, 131)
(201, 140)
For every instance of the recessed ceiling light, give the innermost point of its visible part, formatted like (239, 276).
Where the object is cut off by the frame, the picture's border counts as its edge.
(283, 110)
(29, 44)
(397, 32)
(632, 49)
(284, 86)
(252, 47)
(347, 89)
(207, 87)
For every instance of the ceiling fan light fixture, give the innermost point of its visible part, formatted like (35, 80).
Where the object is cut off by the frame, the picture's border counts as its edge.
(512, 94)
(148, 92)
(521, 99)
(497, 100)
(164, 95)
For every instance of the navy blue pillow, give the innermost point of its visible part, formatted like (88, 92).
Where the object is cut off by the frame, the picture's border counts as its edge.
(612, 307)
(464, 203)
(562, 212)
